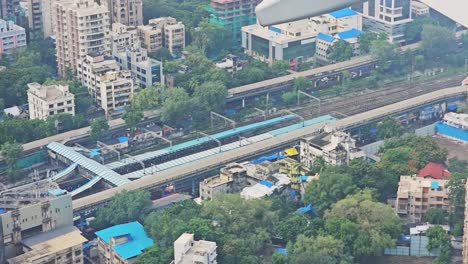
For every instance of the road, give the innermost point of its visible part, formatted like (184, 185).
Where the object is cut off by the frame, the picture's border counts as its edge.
(166, 177)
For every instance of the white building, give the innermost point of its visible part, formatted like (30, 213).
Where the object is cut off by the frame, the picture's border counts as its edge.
(419, 9)
(189, 251)
(31, 209)
(336, 148)
(11, 37)
(45, 101)
(390, 17)
(163, 32)
(325, 42)
(295, 41)
(122, 36)
(147, 71)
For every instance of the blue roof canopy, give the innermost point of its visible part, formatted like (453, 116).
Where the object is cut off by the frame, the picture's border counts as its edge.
(343, 13)
(352, 33)
(137, 241)
(434, 185)
(325, 37)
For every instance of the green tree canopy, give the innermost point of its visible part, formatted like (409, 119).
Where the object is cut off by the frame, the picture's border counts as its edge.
(435, 216)
(365, 40)
(162, 54)
(280, 68)
(98, 127)
(132, 117)
(11, 152)
(384, 52)
(289, 98)
(389, 127)
(340, 51)
(301, 83)
(213, 94)
(318, 250)
(125, 206)
(413, 30)
(437, 41)
(176, 106)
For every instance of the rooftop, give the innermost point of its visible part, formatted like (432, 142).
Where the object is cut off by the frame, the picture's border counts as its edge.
(326, 37)
(434, 170)
(137, 239)
(198, 248)
(343, 13)
(352, 33)
(49, 92)
(48, 243)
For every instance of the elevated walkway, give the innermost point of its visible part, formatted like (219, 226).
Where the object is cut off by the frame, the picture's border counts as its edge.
(64, 173)
(86, 186)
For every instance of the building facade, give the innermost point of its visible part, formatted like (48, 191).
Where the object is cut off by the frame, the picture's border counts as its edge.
(187, 250)
(122, 244)
(233, 14)
(35, 18)
(45, 101)
(82, 28)
(9, 9)
(123, 36)
(387, 16)
(115, 91)
(146, 71)
(295, 41)
(27, 214)
(325, 42)
(162, 32)
(127, 12)
(336, 148)
(416, 195)
(11, 37)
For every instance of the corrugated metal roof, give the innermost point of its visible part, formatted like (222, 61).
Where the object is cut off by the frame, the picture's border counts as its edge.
(138, 240)
(343, 13)
(352, 33)
(325, 37)
(86, 186)
(89, 164)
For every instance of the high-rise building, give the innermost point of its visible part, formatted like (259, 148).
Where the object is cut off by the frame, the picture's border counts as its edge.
(387, 16)
(162, 32)
(122, 36)
(127, 12)
(9, 9)
(35, 17)
(82, 27)
(11, 37)
(233, 14)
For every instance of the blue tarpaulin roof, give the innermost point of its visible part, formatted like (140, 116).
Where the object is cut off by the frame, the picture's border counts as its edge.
(306, 209)
(325, 37)
(275, 156)
(451, 131)
(266, 183)
(282, 251)
(452, 107)
(292, 193)
(303, 178)
(343, 13)
(122, 139)
(2, 210)
(434, 185)
(95, 152)
(137, 239)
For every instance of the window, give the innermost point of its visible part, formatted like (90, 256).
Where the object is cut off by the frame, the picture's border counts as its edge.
(51, 106)
(77, 252)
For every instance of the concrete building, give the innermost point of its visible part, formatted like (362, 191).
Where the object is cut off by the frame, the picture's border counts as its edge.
(188, 251)
(122, 244)
(163, 32)
(31, 209)
(419, 9)
(146, 71)
(91, 67)
(390, 17)
(82, 27)
(325, 42)
(11, 37)
(127, 12)
(49, 17)
(122, 36)
(45, 101)
(115, 91)
(9, 9)
(336, 148)
(295, 41)
(61, 245)
(35, 17)
(233, 14)
(416, 195)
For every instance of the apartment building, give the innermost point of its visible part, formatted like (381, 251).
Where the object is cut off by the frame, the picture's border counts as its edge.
(11, 37)
(389, 16)
(122, 244)
(31, 209)
(115, 91)
(48, 17)
(325, 42)
(35, 17)
(9, 9)
(162, 32)
(146, 71)
(187, 250)
(82, 27)
(335, 148)
(233, 14)
(126, 12)
(417, 194)
(122, 36)
(45, 101)
(295, 41)
(61, 245)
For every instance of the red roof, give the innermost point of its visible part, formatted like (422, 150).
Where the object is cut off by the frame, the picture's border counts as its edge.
(434, 170)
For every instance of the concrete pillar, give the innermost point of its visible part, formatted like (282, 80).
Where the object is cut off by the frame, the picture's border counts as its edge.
(243, 102)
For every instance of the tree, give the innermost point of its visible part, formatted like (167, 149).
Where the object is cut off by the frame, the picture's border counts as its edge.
(293, 225)
(98, 127)
(301, 83)
(212, 39)
(162, 54)
(366, 39)
(250, 75)
(437, 41)
(213, 94)
(289, 98)
(11, 152)
(437, 237)
(340, 51)
(332, 186)
(176, 106)
(413, 30)
(149, 98)
(384, 52)
(280, 68)
(318, 250)
(377, 225)
(389, 127)
(155, 255)
(132, 117)
(435, 216)
(125, 206)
